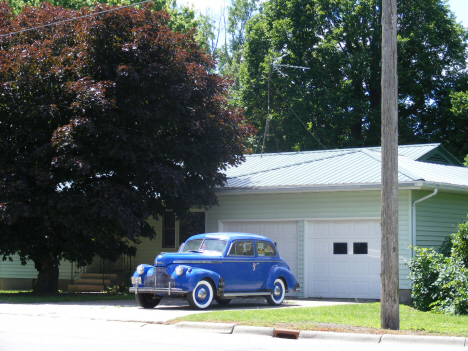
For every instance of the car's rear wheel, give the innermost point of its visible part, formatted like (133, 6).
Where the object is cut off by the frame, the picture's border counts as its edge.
(202, 296)
(277, 296)
(147, 300)
(222, 301)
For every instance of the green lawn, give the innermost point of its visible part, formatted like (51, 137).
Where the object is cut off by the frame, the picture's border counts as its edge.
(28, 297)
(339, 318)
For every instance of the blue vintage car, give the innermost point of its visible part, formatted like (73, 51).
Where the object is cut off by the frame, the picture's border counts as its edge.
(219, 266)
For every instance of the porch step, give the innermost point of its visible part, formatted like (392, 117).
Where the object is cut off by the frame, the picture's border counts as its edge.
(106, 282)
(93, 282)
(85, 288)
(113, 276)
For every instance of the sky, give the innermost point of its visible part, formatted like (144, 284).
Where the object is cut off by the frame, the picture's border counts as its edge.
(459, 7)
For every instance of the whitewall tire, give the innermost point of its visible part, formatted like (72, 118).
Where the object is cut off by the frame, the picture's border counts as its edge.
(277, 296)
(202, 296)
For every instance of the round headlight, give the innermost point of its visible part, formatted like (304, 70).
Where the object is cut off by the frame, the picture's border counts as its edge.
(179, 270)
(140, 270)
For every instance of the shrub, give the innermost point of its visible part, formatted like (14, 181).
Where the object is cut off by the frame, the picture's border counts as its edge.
(452, 288)
(446, 246)
(440, 283)
(460, 243)
(424, 272)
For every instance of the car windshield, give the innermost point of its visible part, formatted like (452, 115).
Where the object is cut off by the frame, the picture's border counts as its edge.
(207, 245)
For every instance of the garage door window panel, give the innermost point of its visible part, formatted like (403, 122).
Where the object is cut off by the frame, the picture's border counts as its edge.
(340, 248)
(360, 248)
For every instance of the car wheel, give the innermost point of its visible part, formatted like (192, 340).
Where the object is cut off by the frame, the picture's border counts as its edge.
(222, 301)
(277, 296)
(147, 300)
(202, 296)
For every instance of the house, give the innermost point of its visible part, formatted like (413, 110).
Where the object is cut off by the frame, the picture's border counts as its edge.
(322, 209)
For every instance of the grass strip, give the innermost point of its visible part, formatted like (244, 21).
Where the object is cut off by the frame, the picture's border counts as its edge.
(352, 318)
(29, 297)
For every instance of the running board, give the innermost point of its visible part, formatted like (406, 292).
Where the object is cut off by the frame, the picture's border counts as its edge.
(242, 294)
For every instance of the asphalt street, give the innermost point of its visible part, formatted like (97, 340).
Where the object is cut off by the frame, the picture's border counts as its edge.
(115, 325)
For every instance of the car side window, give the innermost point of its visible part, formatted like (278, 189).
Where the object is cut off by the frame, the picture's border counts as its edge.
(265, 249)
(241, 248)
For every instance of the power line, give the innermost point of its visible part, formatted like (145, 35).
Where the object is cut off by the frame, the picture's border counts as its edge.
(75, 18)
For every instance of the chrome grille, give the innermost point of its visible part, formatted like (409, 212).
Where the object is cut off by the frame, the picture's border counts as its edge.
(162, 279)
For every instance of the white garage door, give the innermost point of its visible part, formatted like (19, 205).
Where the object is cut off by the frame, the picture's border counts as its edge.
(282, 233)
(343, 258)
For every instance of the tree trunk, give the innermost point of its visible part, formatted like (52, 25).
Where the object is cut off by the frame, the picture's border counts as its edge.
(389, 298)
(47, 279)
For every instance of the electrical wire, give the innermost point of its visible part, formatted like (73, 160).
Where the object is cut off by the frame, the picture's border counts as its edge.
(75, 18)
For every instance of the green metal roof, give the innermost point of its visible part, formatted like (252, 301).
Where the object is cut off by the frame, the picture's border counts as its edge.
(358, 167)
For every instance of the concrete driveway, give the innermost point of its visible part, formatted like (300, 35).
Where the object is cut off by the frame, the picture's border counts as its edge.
(128, 310)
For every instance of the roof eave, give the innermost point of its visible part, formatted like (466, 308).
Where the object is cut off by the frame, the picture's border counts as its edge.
(411, 185)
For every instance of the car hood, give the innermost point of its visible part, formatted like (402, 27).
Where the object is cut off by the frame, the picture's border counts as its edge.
(175, 257)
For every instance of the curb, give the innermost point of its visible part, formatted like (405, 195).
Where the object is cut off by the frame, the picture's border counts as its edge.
(244, 329)
(373, 338)
(225, 328)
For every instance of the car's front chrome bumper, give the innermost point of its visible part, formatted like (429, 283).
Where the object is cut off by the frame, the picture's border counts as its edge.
(165, 291)
(154, 290)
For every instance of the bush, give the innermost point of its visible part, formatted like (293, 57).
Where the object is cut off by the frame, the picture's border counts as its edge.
(440, 283)
(424, 272)
(460, 243)
(446, 246)
(452, 288)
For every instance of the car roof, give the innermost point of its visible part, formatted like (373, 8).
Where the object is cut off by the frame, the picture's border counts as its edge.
(230, 236)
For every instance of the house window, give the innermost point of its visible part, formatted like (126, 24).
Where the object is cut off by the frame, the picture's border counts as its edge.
(360, 248)
(193, 223)
(340, 248)
(168, 230)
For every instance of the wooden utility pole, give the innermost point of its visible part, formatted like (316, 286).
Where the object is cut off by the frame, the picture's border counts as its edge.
(389, 297)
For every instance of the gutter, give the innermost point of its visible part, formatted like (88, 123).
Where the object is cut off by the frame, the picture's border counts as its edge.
(312, 188)
(414, 218)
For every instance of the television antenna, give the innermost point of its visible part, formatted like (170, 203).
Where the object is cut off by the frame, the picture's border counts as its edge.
(276, 66)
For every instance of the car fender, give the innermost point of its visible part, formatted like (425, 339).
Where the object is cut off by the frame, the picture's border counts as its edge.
(148, 270)
(191, 276)
(277, 272)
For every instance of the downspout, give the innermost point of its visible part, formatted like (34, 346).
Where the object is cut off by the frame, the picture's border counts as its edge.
(414, 217)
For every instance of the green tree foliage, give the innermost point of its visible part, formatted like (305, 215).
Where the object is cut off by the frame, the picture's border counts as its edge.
(338, 97)
(457, 128)
(104, 121)
(440, 282)
(230, 54)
